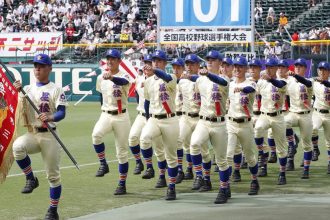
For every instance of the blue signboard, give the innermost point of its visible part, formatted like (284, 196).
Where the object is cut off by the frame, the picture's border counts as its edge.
(204, 13)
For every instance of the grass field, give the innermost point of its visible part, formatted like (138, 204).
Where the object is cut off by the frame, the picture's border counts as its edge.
(83, 193)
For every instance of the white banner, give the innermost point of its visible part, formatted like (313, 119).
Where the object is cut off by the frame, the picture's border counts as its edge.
(233, 54)
(205, 36)
(27, 44)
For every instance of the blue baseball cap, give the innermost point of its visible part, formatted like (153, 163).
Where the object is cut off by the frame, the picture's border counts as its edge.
(113, 53)
(300, 62)
(227, 60)
(241, 61)
(178, 61)
(159, 54)
(193, 58)
(214, 55)
(324, 65)
(42, 59)
(283, 63)
(271, 62)
(255, 62)
(147, 58)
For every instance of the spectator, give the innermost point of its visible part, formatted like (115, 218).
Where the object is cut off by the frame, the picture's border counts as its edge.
(295, 36)
(269, 51)
(278, 50)
(282, 23)
(311, 3)
(258, 12)
(270, 16)
(286, 50)
(69, 32)
(303, 35)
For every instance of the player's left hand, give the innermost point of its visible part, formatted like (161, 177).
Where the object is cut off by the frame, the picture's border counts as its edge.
(107, 75)
(203, 72)
(265, 77)
(45, 117)
(318, 79)
(291, 73)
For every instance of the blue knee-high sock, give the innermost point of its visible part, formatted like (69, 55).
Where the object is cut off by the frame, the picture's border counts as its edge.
(54, 194)
(307, 160)
(283, 162)
(259, 142)
(162, 169)
(329, 156)
(230, 170)
(99, 149)
(123, 169)
(25, 165)
(180, 156)
(271, 143)
(237, 161)
(224, 178)
(172, 173)
(136, 153)
(147, 155)
(197, 161)
(190, 164)
(206, 169)
(290, 137)
(254, 171)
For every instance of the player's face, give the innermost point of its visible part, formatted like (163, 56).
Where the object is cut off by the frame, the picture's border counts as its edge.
(283, 71)
(178, 70)
(159, 63)
(255, 71)
(41, 72)
(192, 68)
(227, 69)
(113, 64)
(300, 70)
(213, 65)
(271, 71)
(323, 73)
(240, 71)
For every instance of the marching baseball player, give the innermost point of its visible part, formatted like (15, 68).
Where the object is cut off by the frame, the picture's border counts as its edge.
(191, 105)
(300, 91)
(51, 101)
(113, 86)
(239, 124)
(272, 93)
(321, 114)
(159, 93)
(211, 126)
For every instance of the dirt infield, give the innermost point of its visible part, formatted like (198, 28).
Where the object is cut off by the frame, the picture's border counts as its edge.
(197, 206)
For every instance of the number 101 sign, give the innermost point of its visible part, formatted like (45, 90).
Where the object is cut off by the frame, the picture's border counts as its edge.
(204, 13)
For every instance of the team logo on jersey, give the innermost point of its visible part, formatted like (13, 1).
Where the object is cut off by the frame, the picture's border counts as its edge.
(244, 100)
(163, 94)
(196, 97)
(45, 97)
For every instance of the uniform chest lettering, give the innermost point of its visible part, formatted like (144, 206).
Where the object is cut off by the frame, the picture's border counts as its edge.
(215, 93)
(163, 95)
(275, 94)
(44, 105)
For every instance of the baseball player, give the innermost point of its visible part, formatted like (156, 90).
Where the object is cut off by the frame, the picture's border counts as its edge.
(51, 101)
(113, 86)
(159, 92)
(321, 114)
(272, 93)
(300, 91)
(191, 105)
(211, 126)
(239, 124)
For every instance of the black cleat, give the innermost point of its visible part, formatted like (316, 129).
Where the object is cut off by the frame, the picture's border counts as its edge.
(138, 168)
(281, 180)
(188, 175)
(121, 190)
(222, 196)
(262, 172)
(254, 188)
(272, 158)
(305, 174)
(180, 177)
(161, 183)
(30, 185)
(149, 173)
(315, 154)
(170, 194)
(328, 168)
(103, 169)
(236, 177)
(198, 183)
(297, 140)
(206, 187)
(51, 215)
(290, 165)
(216, 169)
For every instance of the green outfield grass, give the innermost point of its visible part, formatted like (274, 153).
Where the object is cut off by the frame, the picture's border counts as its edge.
(84, 194)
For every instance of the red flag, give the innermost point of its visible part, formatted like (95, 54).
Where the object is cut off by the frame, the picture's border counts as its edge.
(8, 105)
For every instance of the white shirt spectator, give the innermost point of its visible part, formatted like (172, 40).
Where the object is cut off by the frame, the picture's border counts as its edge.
(303, 35)
(123, 8)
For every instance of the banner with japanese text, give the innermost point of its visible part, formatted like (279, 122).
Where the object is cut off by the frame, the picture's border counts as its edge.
(28, 44)
(8, 105)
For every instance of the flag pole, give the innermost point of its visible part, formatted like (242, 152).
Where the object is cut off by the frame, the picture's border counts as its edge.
(158, 24)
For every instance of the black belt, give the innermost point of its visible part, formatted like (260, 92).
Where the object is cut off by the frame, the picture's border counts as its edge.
(303, 113)
(42, 130)
(192, 115)
(257, 112)
(239, 120)
(323, 111)
(115, 112)
(214, 119)
(273, 114)
(179, 113)
(162, 116)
